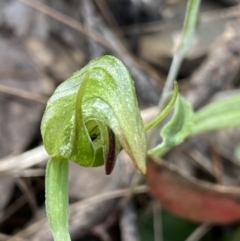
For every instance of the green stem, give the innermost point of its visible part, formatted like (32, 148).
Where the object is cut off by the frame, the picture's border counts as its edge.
(174, 68)
(166, 110)
(57, 197)
(159, 150)
(183, 47)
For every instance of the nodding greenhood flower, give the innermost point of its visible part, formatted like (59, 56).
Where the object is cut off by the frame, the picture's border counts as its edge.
(93, 115)
(89, 119)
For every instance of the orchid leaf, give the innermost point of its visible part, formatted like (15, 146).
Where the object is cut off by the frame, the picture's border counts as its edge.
(218, 114)
(177, 129)
(97, 100)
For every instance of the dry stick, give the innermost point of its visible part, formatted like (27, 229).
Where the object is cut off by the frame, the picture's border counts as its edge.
(220, 69)
(81, 205)
(30, 172)
(106, 196)
(90, 33)
(68, 21)
(4, 237)
(40, 70)
(29, 230)
(10, 210)
(27, 94)
(110, 19)
(24, 160)
(28, 194)
(91, 21)
(200, 160)
(157, 221)
(17, 73)
(231, 12)
(128, 223)
(101, 234)
(23, 94)
(199, 232)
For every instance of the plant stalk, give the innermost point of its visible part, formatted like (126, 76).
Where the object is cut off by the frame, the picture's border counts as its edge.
(57, 197)
(184, 45)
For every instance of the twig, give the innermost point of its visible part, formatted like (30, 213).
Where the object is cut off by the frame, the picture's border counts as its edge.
(221, 68)
(157, 221)
(120, 49)
(29, 195)
(203, 162)
(230, 12)
(29, 230)
(68, 21)
(106, 196)
(110, 19)
(4, 237)
(128, 226)
(29, 172)
(23, 94)
(199, 232)
(86, 203)
(24, 160)
(15, 206)
(91, 21)
(206, 17)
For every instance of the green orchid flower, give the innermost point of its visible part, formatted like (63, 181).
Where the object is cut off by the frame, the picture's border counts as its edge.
(93, 114)
(89, 119)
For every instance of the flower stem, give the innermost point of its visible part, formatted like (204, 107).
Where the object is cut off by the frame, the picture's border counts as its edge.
(182, 49)
(57, 197)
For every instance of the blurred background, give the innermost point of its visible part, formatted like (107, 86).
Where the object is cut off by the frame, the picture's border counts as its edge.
(43, 42)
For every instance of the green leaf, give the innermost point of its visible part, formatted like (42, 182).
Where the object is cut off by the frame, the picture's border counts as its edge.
(57, 197)
(218, 114)
(177, 129)
(99, 97)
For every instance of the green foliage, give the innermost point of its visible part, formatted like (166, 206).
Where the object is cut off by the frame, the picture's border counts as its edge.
(177, 129)
(218, 114)
(184, 123)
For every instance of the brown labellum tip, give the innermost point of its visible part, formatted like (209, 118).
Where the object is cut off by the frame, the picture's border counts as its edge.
(111, 157)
